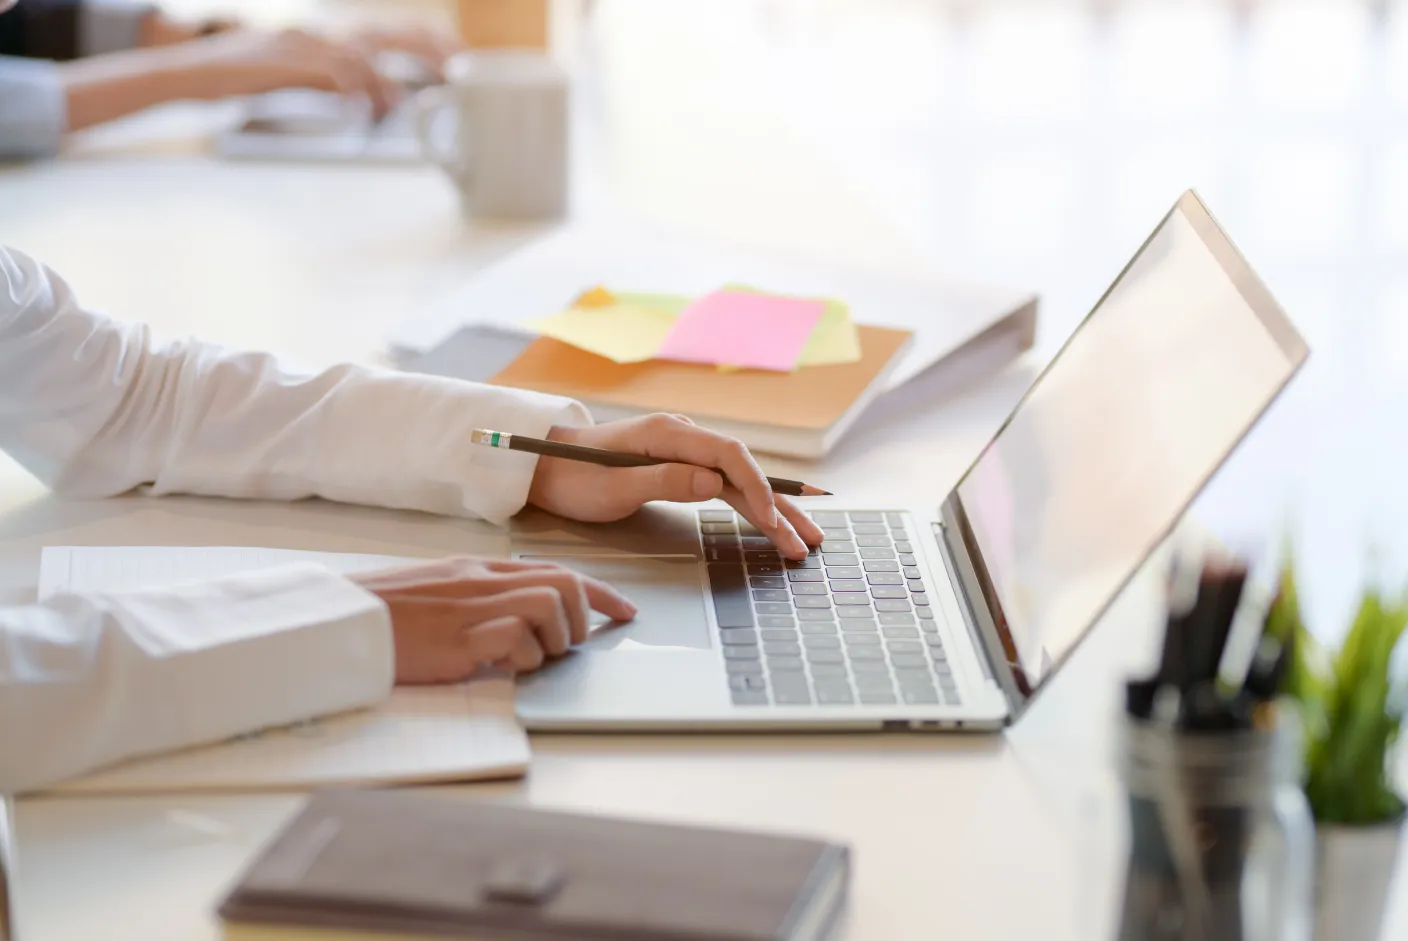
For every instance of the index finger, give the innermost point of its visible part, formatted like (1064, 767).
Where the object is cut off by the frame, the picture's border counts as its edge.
(668, 437)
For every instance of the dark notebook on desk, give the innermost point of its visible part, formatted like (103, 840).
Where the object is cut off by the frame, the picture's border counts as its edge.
(400, 864)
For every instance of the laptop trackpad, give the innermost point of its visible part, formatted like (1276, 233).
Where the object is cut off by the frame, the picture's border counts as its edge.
(668, 591)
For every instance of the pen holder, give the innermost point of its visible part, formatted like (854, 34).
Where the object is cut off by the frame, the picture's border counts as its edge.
(1220, 841)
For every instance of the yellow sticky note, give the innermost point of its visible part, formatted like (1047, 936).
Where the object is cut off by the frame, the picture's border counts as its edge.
(834, 339)
(627, 329)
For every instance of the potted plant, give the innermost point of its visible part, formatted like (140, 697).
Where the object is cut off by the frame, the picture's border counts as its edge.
(1351, 710)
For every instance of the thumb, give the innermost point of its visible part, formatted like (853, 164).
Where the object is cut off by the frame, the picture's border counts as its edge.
(676, 483)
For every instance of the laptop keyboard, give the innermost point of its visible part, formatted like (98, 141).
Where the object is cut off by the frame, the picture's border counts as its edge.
(850, 624)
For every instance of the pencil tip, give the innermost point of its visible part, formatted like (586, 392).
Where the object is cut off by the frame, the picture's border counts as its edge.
(809, 491)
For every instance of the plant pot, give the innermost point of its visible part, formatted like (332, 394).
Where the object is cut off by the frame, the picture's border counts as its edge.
(1353, 874)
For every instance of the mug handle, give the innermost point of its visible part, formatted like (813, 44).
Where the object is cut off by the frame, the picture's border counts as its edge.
(430, 102)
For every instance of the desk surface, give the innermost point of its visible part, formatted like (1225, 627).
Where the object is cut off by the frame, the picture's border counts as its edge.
(992, 837)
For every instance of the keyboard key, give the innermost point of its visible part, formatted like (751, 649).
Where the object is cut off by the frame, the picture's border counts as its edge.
(891, 604)
(829, 518)
(755, 568)
(825, 656)
(840, 558)
(808, 588)
(722, 542)
(854, 639)
(769, 557)
(884, 578)
(847, 584)
(838, 545)
(730, 593)
(890, 592)
(918, 597)
(716, 554)
(942, 668)
(821, 642)
(909, 660)
(872, 552)
(920, 697)
(757, 543)
(907, 559)
(812, 561)
(927, 614)
(806, 575)
(735, 636)
(716, 516)
(768, 581)
(782, 649)
(894, 519)
(778, 634)
(814, 614)
(872, 541)
(747, 528)
(882, 565)
(861, 654)
(863, 667)
(735, 667)
(785, 665)
(903, 547)
(935, 642)
(770, 594)
(792, 697)
(834, 697)
(773, 620)
(870, 529)
(844, 571)
(899, 633)
(790, 681)
(877, 699)
(833, 533)
(874, 681)
(741, 652)
(866, 517)
(818, 628)
(852, 617)
(829, 670)
(811, 601)
(750, 697)
(744, 681)
(774, 607)
(894, 618)
(853, 599)
(900, 646)
(911, 571)
(715, 529)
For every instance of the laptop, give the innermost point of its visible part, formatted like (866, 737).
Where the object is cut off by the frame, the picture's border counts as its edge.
(956, 616)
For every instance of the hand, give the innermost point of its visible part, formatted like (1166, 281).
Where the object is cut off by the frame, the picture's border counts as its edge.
(449, 617)
(249, 63)
(431, 48)
(597, 494)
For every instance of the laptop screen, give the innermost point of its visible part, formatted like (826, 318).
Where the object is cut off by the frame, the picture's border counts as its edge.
(1118, 435)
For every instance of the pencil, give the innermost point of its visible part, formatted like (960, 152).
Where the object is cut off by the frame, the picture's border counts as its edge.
(577, 452)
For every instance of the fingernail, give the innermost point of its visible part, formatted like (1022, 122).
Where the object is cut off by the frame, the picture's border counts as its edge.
(705, 484)
(775, 519)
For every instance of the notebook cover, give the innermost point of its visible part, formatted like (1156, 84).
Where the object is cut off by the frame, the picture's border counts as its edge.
(811, 398)
(413, 863)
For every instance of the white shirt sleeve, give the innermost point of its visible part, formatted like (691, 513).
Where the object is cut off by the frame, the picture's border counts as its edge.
(86, 681)
(94, 408)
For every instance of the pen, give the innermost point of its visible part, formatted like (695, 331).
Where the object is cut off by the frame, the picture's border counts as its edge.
(577, 452)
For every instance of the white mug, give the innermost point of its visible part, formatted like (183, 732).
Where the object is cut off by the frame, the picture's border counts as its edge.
(509, 151)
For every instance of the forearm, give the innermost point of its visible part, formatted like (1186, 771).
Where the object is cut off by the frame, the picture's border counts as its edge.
(105, 88)
(87, 681)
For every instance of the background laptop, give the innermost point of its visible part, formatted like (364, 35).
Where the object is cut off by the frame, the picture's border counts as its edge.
(953, 616)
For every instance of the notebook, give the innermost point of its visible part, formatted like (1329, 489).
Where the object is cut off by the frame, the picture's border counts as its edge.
(418, 735)
(381, 865)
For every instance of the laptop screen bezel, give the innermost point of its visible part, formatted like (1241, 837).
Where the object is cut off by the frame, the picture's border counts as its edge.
(964, 557)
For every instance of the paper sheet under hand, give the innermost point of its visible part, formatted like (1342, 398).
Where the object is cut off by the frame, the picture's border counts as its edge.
(628, 329)
(744, 329)
(419, 735)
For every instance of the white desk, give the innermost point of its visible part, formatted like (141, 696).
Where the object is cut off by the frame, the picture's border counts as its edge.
(954, 837)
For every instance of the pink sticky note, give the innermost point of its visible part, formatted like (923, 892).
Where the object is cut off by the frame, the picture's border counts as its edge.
(754, 331)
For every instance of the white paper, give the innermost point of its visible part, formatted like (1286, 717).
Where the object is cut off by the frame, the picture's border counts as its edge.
(419, 735)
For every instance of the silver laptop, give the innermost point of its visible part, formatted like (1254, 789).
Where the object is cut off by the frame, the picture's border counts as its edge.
(955, 616)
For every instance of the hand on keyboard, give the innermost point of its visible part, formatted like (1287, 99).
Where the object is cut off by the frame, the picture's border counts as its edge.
(596, 494)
